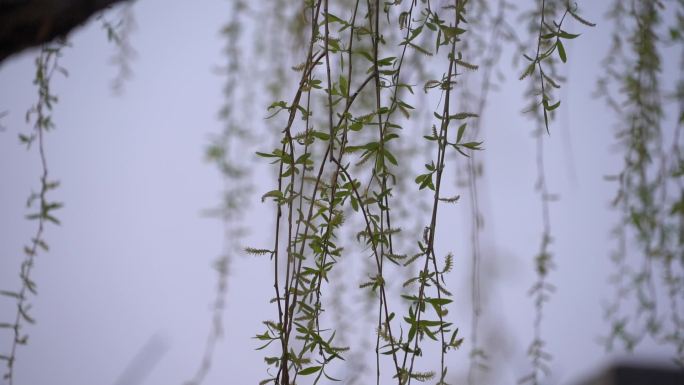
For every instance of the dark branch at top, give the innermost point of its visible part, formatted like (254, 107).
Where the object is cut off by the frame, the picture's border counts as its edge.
(28, 23)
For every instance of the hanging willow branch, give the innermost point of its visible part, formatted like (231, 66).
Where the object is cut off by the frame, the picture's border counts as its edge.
(649, 195)
(47, 63)
(549, 39)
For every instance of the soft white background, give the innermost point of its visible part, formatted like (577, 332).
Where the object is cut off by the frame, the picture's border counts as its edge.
(131, 262)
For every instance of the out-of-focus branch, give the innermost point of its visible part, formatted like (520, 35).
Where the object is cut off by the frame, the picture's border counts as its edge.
(29, 23)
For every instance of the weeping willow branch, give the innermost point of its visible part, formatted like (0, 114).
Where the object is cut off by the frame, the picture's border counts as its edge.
(224, 153)
(549, 40)
(498, 30)
(119, 33)
(47, 63)
(651, 214)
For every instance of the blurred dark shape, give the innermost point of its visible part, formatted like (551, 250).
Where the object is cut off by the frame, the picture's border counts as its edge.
(140, 366)
(28, 23)
(637, 374)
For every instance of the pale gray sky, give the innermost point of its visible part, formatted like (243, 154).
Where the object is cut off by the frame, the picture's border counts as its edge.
(132, 260)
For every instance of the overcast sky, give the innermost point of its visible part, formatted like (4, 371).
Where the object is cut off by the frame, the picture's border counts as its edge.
(130, 266)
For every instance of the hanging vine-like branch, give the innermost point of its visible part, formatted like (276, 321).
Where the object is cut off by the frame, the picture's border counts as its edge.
(43, 209)
(650, 192)
(549, 39)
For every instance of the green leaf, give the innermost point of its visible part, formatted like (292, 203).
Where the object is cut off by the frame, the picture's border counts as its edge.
(280, 105)
(552, 107)
(414, 33)
(10, 294)
(309, 370)
(26, 139)
(355, 204)
(412, 332)
(580, 19)
(24, 315)
(528, 71)
(463, 115)
(453, 199)
(473, 145)
(330, 18)
(365, 55)
(431, 84)
(561, 51)
(265, 155)
(388, 155)
(569, 36)
(320, 135)
(467, 65)
(356, 126)
(331, 378)
(343, 86)
(388, 61)
(461, 130)
(546, 118)
(276, 194)
(255, 251)
(425, 180)
(452, 32)
(52, 219)
(438, 301)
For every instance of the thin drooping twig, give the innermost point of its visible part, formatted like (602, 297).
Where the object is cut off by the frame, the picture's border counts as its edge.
(46, 65)
(429, 251)
(283, 375)
(477, 353)
(223, 152)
